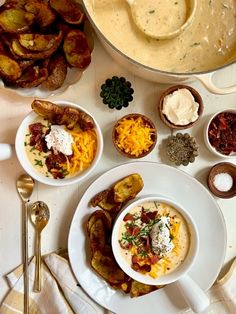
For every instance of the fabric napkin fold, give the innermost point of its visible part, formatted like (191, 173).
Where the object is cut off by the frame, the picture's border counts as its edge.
(60, 293)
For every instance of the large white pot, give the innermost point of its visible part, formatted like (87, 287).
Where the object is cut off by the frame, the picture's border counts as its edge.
(155, 75)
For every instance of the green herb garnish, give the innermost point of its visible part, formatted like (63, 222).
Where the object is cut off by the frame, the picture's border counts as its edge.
(116, 92)
(38, 163)
(151, 12)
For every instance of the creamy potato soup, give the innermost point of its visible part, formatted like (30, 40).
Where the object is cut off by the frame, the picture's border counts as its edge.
(154, 238)
(57, 152)
(208, 43)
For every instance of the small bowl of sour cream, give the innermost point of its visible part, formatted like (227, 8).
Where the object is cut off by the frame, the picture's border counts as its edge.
(180, 107)
(155, 240)
(58, 143)
(222, 180)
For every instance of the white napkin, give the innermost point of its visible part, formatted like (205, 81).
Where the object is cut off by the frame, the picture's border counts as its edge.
(222, 294)
(61, 295)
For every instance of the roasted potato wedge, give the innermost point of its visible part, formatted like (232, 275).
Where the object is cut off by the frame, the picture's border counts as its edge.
(98, 228)
(24, 64)
(138, 289)
(46, 109)
(70, 11)
(32, 77)
(9, 68)
(37, 42)
(99, 214)
(44, 15)
(15, 20)
(106, 266)
(24, 53)
(104, 201)
(57, 70)
(127, 188)
(76, 49)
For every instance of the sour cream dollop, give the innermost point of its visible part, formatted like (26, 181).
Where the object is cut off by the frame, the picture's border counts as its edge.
(160, 236)
(180, 107)
(60, 140)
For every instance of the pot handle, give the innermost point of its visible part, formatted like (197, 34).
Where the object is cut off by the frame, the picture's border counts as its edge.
(206, 80)
(195, 297)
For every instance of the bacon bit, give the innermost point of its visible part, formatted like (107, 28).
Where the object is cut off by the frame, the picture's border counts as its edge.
(154, 259)
(144, 268)
(144, 217)
(136, 231)
(128, 217)
(152, 215)
(222, 133)
(36, 128)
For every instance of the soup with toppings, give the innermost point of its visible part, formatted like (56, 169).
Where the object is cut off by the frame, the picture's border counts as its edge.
(208, 43)
(154, 238)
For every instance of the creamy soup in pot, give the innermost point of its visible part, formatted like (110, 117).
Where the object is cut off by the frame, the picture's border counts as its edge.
(207, 43)
(154, 238)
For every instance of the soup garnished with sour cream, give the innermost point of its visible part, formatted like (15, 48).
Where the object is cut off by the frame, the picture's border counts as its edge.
(154, 238)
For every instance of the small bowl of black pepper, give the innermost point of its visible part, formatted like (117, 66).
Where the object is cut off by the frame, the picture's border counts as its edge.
(181, 149)
(221, 180)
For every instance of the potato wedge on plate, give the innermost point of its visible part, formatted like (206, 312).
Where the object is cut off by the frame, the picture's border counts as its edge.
(44, 15)
(32, 77)
(106, 266)
(57, 70)
(24, 53)
(70, 11)
(38, 42)
(9, 68)
(15, 20)
(76, 49)
(105, 201)
(127, 188)
(138, 289)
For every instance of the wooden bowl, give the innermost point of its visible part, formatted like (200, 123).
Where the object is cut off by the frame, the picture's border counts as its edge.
(148, 122)
(170, 90)
(223, 167)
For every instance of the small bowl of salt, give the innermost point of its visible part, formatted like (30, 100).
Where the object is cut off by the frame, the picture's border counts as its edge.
(222, 180)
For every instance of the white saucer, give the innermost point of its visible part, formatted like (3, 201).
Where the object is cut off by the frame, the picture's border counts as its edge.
(170, 182)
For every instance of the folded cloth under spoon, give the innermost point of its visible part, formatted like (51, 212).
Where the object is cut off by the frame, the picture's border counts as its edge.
(25, 186)
(162, 19)
(39, 214)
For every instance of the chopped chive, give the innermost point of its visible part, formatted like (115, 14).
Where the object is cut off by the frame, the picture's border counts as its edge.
(38, 163)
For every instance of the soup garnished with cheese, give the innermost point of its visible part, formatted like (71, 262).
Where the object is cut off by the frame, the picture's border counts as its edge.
(154, 238)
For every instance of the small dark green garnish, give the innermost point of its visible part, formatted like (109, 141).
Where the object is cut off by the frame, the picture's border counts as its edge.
(151, 12)
(38, 163)
(116, 92)
(25, 143)
(182, 149)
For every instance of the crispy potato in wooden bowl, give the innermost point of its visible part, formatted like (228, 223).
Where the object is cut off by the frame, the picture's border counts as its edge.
(44, 46)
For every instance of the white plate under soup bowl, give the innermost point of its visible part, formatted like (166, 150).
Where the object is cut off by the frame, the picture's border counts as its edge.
(177, 273)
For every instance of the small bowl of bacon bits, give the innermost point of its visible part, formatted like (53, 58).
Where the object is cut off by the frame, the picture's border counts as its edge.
(134, 135)
(58, 143)
(220, 133)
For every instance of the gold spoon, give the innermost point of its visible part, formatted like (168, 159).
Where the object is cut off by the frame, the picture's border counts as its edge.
(25, 186)
(39, 214)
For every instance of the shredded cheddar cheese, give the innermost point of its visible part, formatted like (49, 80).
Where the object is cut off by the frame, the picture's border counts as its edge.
(134, 136)
(84, 148)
